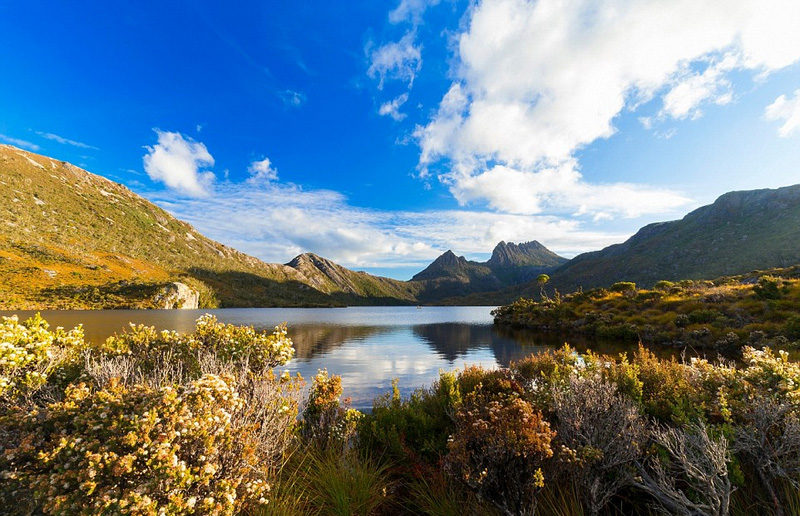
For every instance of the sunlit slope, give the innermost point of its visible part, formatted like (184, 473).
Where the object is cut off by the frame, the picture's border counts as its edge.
(739, 232)
(69, 238)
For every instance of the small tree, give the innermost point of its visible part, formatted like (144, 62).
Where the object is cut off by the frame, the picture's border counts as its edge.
(542, 280)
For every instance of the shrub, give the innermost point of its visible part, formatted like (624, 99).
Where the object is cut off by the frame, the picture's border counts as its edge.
(499, 449)
(665, 286)
(30, 355)
(691, 477)
(198, 448)
(415, 429)
(602, 434)
(240, 345)
(767, 288)
(623, 287)
(670, 390)
(769, 440)
(792, 327)
(703, 316)
(327, 424)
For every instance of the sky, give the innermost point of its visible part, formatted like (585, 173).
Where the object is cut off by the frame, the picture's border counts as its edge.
(381, 134)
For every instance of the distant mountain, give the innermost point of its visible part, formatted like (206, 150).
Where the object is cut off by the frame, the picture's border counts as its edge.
(351, 287)
(739, 232)
(72, 239)
(511, 264)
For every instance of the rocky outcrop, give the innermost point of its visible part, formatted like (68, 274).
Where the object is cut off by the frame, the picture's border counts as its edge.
(526, 254)
(177, 295)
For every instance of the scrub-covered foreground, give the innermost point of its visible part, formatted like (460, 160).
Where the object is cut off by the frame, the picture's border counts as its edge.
(165, 423)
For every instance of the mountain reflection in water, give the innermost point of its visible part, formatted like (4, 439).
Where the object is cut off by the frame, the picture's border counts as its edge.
(367, 346)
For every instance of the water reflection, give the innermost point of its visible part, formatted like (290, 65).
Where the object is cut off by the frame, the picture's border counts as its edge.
(367, 346)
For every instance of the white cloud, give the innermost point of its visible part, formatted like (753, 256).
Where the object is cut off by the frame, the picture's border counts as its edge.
(19, 143)
(293, 98)
(786, 110)
(276, 222)
(65, 141)
(691, 90)
(400, 60)
(535, 82)
(179, 162)
(392, 108)
(411, 10)
(524, 192)
(262, 171)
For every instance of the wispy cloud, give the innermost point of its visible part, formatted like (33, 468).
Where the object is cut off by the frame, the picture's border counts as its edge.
(19, 143)
(293, 98)
(411, 10)
(392, 108)
(786, 110)
(535, 82)
(179, 162)
(400, 60)
(65, 141)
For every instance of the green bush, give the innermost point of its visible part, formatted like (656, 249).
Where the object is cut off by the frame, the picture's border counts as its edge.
(413, 430)
(623, 286)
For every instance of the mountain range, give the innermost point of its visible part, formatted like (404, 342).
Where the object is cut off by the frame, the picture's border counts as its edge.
(72, 239)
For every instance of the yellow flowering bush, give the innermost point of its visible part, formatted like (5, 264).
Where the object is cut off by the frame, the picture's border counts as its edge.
(30, 353)
(328, 422)
(197, 448)
(227, 342)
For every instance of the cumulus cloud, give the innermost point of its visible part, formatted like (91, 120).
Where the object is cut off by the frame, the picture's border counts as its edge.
(65, 141)
(285, 220)
(392, 108)
(399, 60)
(786, 110)
(261, 171)
(535, 82)
(179, 162)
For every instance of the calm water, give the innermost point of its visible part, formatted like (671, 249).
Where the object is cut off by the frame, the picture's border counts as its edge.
(367, 346)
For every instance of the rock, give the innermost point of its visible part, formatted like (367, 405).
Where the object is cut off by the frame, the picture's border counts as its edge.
(177, 295)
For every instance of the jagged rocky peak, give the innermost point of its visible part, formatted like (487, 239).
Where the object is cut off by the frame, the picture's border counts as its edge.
(525, 254)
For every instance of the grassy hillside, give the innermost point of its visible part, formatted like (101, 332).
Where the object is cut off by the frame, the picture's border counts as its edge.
(739, 232)
(72, 239)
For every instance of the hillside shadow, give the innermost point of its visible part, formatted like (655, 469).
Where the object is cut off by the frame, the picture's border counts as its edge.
(236, 289)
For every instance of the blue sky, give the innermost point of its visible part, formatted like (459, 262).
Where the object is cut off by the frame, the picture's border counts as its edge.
(380, 134)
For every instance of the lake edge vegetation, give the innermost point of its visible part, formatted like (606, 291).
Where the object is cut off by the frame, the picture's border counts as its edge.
(203, 423)
(758, 309)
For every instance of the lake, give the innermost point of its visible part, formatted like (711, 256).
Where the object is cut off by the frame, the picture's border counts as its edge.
(367, 346)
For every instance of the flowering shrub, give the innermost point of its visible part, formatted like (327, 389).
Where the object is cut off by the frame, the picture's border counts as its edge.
(327, 422)
(189, 449)
(499, 448)
(771, 375)
(30, 354)
(227, 342)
